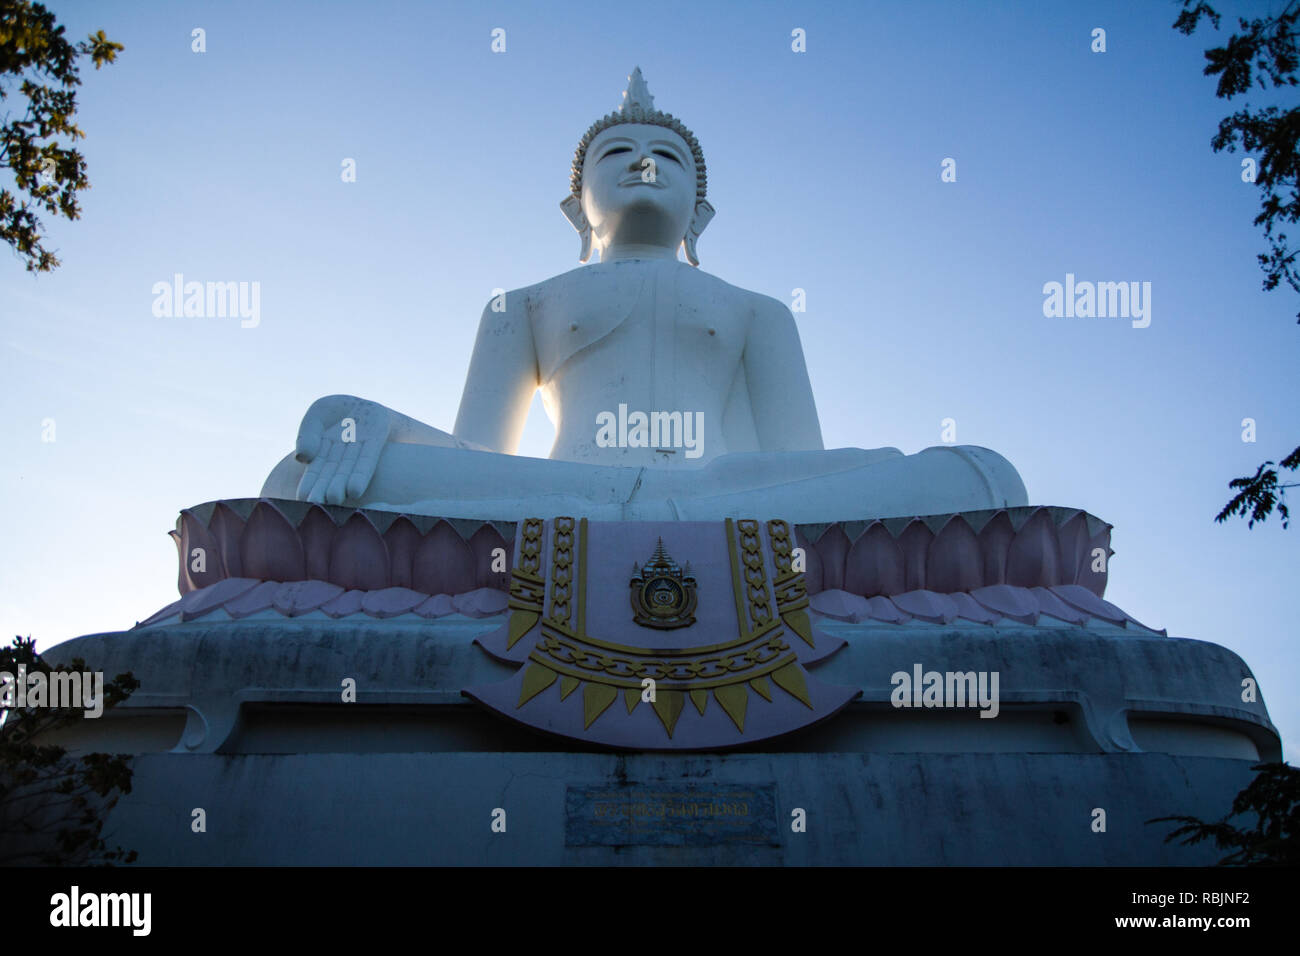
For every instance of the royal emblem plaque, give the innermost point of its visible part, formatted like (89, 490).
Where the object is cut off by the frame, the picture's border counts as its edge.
(708, 656)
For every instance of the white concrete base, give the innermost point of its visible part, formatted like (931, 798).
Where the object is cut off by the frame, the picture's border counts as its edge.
(861, 809)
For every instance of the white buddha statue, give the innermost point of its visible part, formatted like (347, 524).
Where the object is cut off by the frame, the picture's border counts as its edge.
(673, 394)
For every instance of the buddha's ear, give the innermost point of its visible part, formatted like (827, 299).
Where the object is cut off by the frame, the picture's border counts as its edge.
(572, 209)
(704, 212)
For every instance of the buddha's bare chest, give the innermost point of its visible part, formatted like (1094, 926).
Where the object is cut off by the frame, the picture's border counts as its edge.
(659, 320)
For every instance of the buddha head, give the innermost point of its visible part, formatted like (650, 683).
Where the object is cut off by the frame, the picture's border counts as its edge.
(638, 178)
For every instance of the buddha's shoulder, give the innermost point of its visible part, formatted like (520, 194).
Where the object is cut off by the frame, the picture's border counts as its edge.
(741, 299)
(563, 289)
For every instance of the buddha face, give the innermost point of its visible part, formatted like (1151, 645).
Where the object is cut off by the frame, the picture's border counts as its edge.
(638, 186)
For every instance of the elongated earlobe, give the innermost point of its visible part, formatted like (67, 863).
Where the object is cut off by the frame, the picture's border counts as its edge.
(572, 209)
(704, 212)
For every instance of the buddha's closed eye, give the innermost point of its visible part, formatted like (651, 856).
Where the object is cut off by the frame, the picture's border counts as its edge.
(661, 153)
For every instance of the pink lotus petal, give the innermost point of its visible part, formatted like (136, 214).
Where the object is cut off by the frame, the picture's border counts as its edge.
(874, 564)
(995, 542)
(444, 563)
(1095, 581)
(195, 535)
(833, 549)
(208, 599)
(269, 548)
(481, 602)
(349, 602)
(1078, 596)
(1073, 538)
(915, 544)
(881, 608)
(317, 531)
(1050, 604)
(839, 604)
(251, 602)
(482, 545)
(299, 597)
(955, 562)
(390, 602)
(358, 555)
(972, 610)
(1015, 603)
(812, 575)
(927, 605)
(403, 540)
(1033, 559)
(440, 605)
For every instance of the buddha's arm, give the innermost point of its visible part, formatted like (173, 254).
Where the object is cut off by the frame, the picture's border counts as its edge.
(785, 415)
(502, 378)
(342, 438)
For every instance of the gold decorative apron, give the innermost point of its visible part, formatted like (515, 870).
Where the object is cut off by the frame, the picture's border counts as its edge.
(606, 611)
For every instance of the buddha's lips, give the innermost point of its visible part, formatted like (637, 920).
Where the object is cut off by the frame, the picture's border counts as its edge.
(641, 182)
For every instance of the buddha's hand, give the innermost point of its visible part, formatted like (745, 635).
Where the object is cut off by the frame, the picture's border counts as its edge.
(339, 440)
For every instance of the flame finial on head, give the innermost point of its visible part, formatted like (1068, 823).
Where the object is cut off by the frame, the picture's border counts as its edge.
(637, 95)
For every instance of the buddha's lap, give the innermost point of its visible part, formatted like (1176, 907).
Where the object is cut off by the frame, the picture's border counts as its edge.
(803, 485)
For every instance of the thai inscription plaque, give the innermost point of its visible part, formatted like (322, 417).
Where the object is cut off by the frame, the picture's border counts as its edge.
(671, 815)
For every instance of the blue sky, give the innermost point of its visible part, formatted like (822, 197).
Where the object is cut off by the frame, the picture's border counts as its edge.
(924, 298)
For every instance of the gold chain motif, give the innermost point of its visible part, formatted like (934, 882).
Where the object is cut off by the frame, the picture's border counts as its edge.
(526, 584)
(779, 532)
(791, 591)
(561, 571)
(555, 651)
(789, 586)
(760, 610)
(530, 551)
